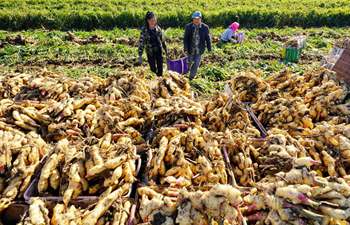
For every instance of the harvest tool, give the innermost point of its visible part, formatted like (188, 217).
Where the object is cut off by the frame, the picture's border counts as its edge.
(255, 119)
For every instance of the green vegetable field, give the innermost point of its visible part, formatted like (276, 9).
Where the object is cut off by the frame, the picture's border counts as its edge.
(92, 14)
(41, 27)
(261, 51)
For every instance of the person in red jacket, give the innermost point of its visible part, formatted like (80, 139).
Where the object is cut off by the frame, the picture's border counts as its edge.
(196, 39)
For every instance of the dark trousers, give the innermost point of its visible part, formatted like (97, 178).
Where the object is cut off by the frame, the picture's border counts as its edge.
(155, 61)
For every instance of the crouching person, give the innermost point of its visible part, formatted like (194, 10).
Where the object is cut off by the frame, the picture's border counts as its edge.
(229, 35)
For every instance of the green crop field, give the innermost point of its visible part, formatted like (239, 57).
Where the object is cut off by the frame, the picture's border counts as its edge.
(91, 14)
(267, 24)
(118, 51)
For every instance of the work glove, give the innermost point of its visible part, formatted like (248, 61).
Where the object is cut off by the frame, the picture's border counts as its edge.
(140, 60)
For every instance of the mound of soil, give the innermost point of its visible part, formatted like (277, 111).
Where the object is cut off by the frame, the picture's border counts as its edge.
(95, 39)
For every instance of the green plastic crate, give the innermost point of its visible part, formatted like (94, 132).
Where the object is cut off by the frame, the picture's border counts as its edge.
(291, 54)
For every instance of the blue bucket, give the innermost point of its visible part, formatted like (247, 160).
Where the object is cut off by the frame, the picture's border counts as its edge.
(178, 65)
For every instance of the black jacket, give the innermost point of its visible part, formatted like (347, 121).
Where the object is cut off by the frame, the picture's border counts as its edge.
(204, 38)
(145, 41)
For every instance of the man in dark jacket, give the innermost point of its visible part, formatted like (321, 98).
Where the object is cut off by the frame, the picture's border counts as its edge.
(196, 38)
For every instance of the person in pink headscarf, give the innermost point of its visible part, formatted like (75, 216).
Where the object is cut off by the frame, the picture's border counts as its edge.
(229, 33)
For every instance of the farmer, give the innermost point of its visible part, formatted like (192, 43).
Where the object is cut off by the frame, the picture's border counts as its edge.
(230, 33)
(152, 38)
(196, 38)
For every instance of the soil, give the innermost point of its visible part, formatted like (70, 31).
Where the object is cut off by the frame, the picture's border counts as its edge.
(15, 40)
(262, 37)
(114, 63)
(95, 39)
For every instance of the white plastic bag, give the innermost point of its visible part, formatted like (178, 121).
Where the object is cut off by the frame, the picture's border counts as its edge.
(332, 58)
(227, 90)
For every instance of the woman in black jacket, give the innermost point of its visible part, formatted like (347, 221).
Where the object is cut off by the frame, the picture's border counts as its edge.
(153, 40)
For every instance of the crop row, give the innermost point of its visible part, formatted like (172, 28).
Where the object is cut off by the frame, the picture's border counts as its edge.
(91, 14)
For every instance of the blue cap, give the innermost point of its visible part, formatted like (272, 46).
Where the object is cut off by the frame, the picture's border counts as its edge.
(196, 14)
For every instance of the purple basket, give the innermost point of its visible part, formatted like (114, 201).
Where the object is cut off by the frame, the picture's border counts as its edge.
(178, 65)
